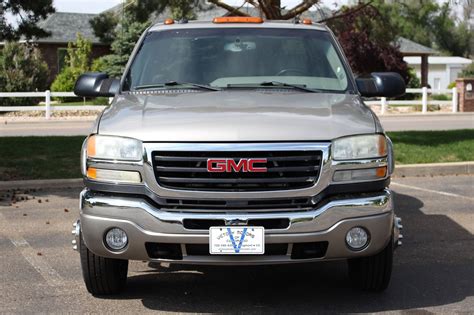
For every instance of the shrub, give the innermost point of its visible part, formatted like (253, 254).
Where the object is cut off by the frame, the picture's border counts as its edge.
(468, 72)
(65, 81)
(22, 69)
(77, 62)
(441, 97)
(413, 83)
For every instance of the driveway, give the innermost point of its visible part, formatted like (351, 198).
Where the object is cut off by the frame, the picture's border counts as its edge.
(433, 270)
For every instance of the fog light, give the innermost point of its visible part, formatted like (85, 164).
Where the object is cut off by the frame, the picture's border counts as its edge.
(357, 238)
(116, 239)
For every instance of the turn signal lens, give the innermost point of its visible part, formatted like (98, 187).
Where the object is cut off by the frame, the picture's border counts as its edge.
(91, 146)
(238, 19)
(363, 174)
(113, 176)
(92, 173)
(381, 172)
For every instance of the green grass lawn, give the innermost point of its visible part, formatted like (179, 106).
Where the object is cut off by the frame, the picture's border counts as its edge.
(58, 157)
(40, 157)
(413, 147)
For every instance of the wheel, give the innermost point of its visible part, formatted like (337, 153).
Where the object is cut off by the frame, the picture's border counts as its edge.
(102, 276)
(372, 273)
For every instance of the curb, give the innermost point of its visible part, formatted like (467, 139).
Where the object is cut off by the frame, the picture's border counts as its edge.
(420, 115)
(86, 119)
(42, 183)
(409, 170)
(434, 169)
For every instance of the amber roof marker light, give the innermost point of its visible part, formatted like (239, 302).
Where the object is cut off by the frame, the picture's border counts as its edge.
(307, 21)
(238, 19)
(169, 21)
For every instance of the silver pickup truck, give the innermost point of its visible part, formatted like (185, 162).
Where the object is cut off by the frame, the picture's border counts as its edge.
(237, 142)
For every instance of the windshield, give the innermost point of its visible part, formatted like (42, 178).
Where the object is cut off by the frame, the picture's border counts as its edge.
(238, 57)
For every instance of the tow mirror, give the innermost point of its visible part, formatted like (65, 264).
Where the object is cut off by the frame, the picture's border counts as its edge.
(385, 84)
(95, 84)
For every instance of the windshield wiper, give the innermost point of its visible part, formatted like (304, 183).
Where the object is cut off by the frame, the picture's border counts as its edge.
(174, 83)
(294, 86)
(274, 84)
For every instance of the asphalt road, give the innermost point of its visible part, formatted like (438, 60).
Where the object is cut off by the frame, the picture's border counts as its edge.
(390, 123)
(433, 272)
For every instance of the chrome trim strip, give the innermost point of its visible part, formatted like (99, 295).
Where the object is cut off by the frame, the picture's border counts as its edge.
(300, 221)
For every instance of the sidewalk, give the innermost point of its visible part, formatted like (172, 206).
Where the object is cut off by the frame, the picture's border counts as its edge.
(82, 125)
(429, 121)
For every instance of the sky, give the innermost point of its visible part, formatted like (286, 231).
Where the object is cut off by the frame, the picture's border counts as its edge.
(97, 6)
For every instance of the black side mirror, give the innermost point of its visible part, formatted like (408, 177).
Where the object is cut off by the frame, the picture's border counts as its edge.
(95, 84)
(386, 84)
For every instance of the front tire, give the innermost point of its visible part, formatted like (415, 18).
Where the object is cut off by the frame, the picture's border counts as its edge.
(372, 273)
(102, 276)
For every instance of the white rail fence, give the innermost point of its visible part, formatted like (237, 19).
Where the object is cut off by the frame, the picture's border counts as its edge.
(47, 108)
(383, 102)
(424, 102)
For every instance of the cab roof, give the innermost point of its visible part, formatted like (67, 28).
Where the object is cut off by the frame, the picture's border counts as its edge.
(160, 26)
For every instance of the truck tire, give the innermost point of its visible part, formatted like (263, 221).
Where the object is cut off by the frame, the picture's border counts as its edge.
(102, 276)
(372, 273)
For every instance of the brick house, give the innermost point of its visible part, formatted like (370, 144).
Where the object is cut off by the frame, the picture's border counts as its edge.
(63, 28)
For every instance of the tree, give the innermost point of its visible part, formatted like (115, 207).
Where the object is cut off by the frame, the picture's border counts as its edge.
(22, 68)
(410, 19)
(454, 39)
(270, 9)
(128, 32)
(106, 25)
(430, 24)
(77, 62)
(367, 38)
(29, 13)
(468, 72)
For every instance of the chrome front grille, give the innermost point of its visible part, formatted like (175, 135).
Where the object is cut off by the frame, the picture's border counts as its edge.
(286, 170)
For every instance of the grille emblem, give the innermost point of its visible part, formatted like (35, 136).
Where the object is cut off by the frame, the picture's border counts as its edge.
(230, 165)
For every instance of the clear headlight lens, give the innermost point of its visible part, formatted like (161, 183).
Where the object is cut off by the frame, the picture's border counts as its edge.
(114, 148)
(359, 147)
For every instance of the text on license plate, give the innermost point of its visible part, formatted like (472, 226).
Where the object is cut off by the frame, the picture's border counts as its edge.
(237, 240)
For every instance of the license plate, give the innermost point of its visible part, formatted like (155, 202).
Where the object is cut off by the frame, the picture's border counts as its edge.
(237, 240)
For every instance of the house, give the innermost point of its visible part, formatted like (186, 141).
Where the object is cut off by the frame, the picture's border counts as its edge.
(434, 71)
(63, 28)
(442, 69)
(409, 48)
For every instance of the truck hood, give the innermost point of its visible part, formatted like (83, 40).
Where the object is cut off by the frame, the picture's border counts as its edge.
(233, 116)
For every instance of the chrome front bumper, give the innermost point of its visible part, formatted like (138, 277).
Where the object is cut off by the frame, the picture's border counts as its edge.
(143, 223)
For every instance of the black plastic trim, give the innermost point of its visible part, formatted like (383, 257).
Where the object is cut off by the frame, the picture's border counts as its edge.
(141, 191)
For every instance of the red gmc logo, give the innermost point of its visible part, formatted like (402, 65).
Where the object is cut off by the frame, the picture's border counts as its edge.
(229, 165)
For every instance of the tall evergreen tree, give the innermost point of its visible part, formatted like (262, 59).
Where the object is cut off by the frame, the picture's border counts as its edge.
(28, 13)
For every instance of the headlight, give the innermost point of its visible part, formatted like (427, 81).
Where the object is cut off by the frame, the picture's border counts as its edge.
(114, 148)
(359, 147)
